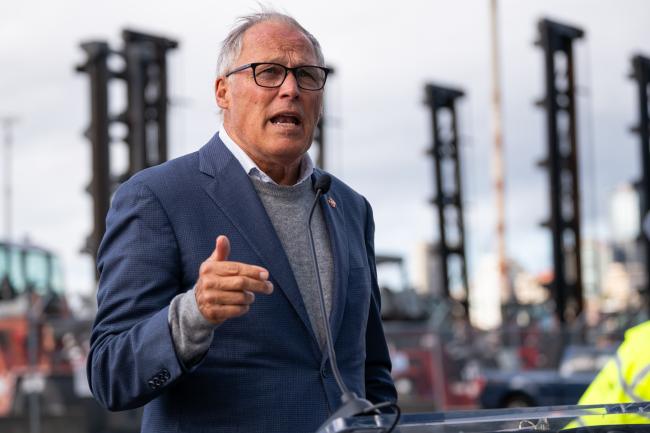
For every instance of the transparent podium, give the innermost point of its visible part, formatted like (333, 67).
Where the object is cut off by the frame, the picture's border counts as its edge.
(612, 418)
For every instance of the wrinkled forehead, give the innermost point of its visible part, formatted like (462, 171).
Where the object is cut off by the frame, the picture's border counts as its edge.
(275, 40)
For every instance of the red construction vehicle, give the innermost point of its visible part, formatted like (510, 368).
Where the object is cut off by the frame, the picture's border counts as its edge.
(39, 347)
(43, 351)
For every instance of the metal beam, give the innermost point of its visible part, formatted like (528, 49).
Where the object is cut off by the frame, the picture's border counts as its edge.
(320, 135)
(145, 116)
(641, 74)
(100, 186)
(562, 164)
(448, 198)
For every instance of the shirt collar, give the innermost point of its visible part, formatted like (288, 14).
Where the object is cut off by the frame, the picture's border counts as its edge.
(249, 166)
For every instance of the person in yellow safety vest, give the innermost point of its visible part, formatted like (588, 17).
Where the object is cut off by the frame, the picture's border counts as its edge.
(624, 379)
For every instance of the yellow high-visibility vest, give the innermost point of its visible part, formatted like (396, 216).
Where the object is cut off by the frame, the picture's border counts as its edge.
(624, 379)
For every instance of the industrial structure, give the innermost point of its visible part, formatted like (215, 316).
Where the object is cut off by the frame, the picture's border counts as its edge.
(448, 198)
(145, 74)
(321, 136)
(641, 74)
(562, 164)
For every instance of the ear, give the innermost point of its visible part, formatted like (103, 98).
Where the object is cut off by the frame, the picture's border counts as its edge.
(222, 92)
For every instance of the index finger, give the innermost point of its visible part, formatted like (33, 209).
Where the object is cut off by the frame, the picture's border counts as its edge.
(243, 269)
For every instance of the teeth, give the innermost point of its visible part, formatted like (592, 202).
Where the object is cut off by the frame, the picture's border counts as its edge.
(284, 119)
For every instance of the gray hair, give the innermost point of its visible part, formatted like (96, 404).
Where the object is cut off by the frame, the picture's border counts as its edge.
(232, 44)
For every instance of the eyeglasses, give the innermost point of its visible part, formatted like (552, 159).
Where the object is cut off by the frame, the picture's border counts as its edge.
(272, 75)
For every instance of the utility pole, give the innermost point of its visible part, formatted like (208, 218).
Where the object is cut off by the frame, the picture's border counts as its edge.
(7, 125)
(497, 161)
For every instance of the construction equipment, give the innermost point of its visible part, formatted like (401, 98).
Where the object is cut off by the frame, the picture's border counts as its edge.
(39, 338)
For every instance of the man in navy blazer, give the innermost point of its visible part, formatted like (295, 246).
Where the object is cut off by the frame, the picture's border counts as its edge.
(226, 336)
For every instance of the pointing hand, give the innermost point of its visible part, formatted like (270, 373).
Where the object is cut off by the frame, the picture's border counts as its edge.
(227, 289)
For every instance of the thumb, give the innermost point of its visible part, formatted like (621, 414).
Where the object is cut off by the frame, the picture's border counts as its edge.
(221, 249)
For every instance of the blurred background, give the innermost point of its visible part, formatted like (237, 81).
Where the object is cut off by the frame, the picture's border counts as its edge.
(503, 146)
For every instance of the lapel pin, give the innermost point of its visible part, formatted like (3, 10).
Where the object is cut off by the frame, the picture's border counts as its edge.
(331, 202)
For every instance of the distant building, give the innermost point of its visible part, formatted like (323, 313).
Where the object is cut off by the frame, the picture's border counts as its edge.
(485, 294)
(624, 214)
(596, 258)
(624, 224)
(427, 269)
(529, 288)
(619, 293)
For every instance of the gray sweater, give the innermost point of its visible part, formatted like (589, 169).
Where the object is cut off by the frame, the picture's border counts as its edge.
(288, 208)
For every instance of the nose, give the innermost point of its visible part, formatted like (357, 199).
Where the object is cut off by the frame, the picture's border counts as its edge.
(289, 87)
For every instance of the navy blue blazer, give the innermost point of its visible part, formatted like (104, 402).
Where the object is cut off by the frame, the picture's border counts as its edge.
(264, 371)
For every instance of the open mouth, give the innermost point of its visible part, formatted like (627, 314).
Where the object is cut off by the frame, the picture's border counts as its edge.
(286, 119)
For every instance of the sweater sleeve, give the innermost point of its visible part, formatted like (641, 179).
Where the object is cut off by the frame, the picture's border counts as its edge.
(191, 332)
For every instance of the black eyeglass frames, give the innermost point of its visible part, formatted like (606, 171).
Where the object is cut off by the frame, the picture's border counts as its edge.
(272, 75)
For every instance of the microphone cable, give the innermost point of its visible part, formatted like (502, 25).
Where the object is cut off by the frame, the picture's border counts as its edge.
(321, 186)
(357, 406)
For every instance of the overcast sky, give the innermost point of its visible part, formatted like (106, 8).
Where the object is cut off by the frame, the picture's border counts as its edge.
(384, 53)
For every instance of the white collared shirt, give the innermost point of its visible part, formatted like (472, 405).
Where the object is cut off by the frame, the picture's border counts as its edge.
(249, 166)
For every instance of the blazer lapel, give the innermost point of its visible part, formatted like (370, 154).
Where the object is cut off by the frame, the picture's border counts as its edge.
(239, 201)
(335, 220)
